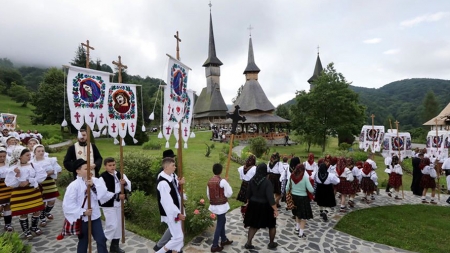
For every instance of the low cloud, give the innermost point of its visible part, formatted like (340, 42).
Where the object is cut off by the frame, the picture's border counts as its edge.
(424, 18)
(372, 41)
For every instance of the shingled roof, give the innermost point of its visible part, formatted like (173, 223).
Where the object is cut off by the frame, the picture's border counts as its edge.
(317, 70)
(251, 65)
(210, 102)
(212, 58)
(442, 118)
(253, 98)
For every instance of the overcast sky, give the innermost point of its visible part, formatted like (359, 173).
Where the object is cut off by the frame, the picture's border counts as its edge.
(372, 43)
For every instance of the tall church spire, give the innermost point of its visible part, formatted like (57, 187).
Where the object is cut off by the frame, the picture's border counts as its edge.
(317, 70)
(251, 65)
(212, 58)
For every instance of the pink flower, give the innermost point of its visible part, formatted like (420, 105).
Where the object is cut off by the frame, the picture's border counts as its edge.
(202, 201)
(196, 211)
(213, 216)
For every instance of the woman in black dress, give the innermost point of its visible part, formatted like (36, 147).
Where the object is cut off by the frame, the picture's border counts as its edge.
(324, 190)
(261, 209)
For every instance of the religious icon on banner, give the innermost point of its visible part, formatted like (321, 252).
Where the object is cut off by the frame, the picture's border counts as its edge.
(372, 134)
(9, 121)
(122, 114)
(397, 143)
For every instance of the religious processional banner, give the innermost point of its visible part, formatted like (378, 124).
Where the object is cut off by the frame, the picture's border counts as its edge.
(86, 90)
(8, 121)
(371, 137)
(397, 144)
(178, 102)
(122, 113)
(438, 143)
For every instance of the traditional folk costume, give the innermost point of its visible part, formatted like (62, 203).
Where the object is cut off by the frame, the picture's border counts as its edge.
(111, 206)
(345, 186)
(428, 180)
(218, 192)
(356, 171)
(48, 186)
(75, 204)
(274, 170)
(311, 167)
(5, 194)
(324, 196)
(169, 203)
(417, 175)
(388, 162)
(333, 162)
(28, 199)
(446, 168)
(246, 173)
(395, 176)
(285, 175)
(368, 181)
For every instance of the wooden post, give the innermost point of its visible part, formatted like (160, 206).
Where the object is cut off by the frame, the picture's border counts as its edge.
(373, 129)
(438, 173)
(88, 158)
(230, 151)
(398, 139)
(120, 66)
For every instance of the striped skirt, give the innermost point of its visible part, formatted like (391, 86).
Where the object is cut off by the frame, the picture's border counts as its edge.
(25, 200)
(5, 193)
(49, 189)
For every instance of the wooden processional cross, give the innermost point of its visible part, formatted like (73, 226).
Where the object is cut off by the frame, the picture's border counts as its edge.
(438, 171)
(88, 156)
(398, 146)
(235, 118)
(179, 150)
(120, 66)
(373, 132)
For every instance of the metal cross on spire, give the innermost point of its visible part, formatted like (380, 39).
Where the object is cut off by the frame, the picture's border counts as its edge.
(318, 49)
(250, 28)
(210, 5)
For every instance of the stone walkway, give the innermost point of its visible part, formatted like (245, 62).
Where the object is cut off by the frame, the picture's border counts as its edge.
(321, 235)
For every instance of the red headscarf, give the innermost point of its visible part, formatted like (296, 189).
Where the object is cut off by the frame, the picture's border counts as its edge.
(333, 160)
(311, 158)
(341, 164)
(367, 168)
(425, 161)
(297, 174)
(359, 164)
(321, 160)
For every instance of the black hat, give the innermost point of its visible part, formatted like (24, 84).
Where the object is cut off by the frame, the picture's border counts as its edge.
(168, 153)
(78, 163)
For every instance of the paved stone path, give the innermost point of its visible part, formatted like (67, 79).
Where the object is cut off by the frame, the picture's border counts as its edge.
(321, 235)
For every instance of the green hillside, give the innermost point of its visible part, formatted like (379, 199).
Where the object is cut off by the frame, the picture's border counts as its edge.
(402, 100)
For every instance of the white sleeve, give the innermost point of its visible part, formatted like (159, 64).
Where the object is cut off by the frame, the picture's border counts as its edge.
(226, 188)
(128, 186)
(56, 167)
(350, 176)
(72, 211)
(11, 180)
(100, 187)
(433, 173)
(334, 179)
(40, 176)
(374, 177)
(207, 192)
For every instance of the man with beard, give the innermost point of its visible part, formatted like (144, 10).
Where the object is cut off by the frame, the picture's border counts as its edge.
(417, 175)
(79, 151)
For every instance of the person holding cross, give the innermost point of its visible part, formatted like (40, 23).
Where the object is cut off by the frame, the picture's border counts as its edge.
(79, 151)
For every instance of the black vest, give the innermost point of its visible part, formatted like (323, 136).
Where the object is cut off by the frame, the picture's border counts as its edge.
(173, 194)
(110, 185)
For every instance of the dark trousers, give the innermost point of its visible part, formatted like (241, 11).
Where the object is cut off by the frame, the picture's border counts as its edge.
(220, 229)
(97, 233)
(388, 187)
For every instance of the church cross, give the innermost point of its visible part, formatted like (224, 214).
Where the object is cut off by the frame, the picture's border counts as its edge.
(132, 127)
(168, 129)
(185, 131)
(101, 118)
(77, 115)
(177, 37)
(92, 117)
(120, 66)
(235, 117)
(318, 49)
(250, 28)
(113, 126)
(87, 52)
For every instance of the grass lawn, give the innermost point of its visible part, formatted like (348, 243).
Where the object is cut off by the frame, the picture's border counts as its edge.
(419, 228)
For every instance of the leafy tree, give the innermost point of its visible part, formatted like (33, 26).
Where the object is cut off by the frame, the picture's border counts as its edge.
(20, 94)
(329, 108)
(80, 57)
(283, 111)
(258, 146)
(430, 106)
(238, 93)
(10, 75)
(48, 100)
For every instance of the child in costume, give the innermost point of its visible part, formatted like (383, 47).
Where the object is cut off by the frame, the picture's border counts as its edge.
(5, 192)
(345, 186)
(369, 180)
(428, 181)
(395, 177)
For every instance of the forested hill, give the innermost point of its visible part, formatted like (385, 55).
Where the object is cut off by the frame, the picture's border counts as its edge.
(403, 100)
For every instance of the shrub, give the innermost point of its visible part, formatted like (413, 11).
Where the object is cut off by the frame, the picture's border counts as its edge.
(143, 210)
(359, 156)
(222, 158)
(344, 146)
(258, 146)
(64, 179)
(198, 217)
(151, 145)
(142, 170)
(11, 243)
(212, 146)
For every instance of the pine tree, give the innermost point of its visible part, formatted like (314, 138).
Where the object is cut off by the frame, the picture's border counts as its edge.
(430, 106)
(80, 57)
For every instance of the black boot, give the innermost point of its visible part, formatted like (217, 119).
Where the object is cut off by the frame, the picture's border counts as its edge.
(47, 211)
(8, 219)
(26, 231)
(43, 218)
(34, 225)
(115, 247)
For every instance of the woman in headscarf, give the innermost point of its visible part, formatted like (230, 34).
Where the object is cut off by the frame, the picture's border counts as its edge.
(428, 181)
(299, 185)
(5, 191)
(310, 165)
(275, 169)
(324, 190)
(26, 198)
(395, 177)
(368, 181)
(246, 173)
(261, 209)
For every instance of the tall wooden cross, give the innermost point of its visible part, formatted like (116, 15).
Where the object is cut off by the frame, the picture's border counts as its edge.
(177, 37)
(437, 136)
(87, 52)
(235, 117)
(120, 66)
(373, 137)
(398, 139)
